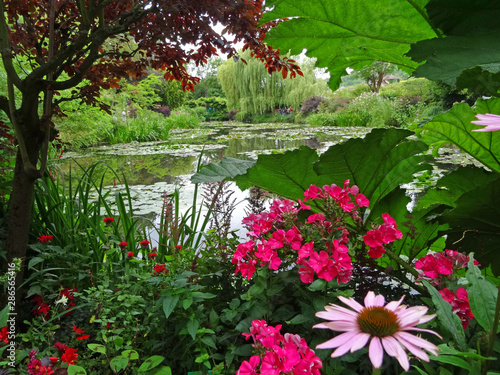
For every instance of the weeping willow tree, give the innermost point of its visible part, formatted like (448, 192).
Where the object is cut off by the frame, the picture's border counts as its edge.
(250, 88)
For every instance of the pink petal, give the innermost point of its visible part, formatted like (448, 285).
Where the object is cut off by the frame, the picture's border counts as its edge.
(359, 341)
(342, 326)
(394, 349)
(415, 340)
(337, 341)
(412, 315)
(352, 303)
(393, 305)
(376, 352)
(415, 350)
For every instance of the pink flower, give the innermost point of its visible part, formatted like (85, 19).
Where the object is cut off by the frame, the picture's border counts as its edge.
(249, 367)
(459, 303)
(492, 122)
(384, 326)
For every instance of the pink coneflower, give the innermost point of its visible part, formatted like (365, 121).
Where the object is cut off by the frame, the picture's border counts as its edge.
(492, 122)
(384, 326)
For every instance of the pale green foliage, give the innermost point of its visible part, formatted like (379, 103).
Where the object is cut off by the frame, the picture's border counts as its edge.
(250, 88)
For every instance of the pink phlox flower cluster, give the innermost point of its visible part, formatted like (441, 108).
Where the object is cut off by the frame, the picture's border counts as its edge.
(437, 267)
(283, 209)
(330, 264)
(459, 304)
(280, 354)
(383, 235)
(342, 196)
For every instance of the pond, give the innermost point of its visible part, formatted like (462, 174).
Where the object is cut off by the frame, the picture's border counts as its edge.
(154, 168)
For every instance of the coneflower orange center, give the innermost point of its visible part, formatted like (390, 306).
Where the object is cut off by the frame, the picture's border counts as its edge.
(378, 321)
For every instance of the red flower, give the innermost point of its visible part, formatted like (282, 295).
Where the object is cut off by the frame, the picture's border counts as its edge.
(34, 366)
(78, 330)
(108, 220)
(178, 247)
(60, 347)
(144, 243)
(153, 255)
(123, 245)
(70, 356)
(84, 337)
(160, 268)
(54, 359)
(42, 308)
(3, 334)
(44, 238)
(130, 254)
(45, 370)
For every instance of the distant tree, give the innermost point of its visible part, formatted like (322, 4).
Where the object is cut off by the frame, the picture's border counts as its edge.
(208, 86)
(250, 88)
(374, 74)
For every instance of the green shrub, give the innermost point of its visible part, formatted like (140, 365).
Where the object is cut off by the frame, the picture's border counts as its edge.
(321, 119)
(418, 89)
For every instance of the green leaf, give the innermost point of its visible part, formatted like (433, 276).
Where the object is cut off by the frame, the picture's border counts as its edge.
(350, 34)
(209, 341)
(377, 164)
(226, 168)
(76, 370)
(455, 127)
(450, 321)
(192, 327)
(4, 316)
(151, 362)
(288, 174)
(451, 186)
(475, 224)
(34, 261)
(119, 363)
(130, 354)
(459, 362)
(186, 303)
(169, 304)
(459, 60)
(97, 348)
(482, 297)
(165, 370)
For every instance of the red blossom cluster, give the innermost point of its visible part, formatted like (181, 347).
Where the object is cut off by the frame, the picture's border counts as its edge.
(41, 308)
(45, 238)
(319, 246)
(439, 269)
(278, 354)
(80, 334)
(4, 335)
(108, 220)
(161, 269)
(123, 245)
(459, 303)
(383, 235)
(51, 365)
(144, 243)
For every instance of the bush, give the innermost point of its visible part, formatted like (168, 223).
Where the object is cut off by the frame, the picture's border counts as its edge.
(321, 119)
(311, 105)
(231, 115)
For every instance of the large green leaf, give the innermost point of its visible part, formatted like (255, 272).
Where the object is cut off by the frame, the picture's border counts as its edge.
(475, 224)
(287, 174)
(349, 33)
(450, 187)
(377, 164)
(455, 127)
(482, 297)
(459, 60)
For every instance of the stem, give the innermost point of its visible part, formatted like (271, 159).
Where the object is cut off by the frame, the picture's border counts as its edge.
(401, 262)
(376, 371)
(493, 332)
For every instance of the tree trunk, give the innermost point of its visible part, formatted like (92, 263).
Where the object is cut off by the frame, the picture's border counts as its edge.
(19, 216)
